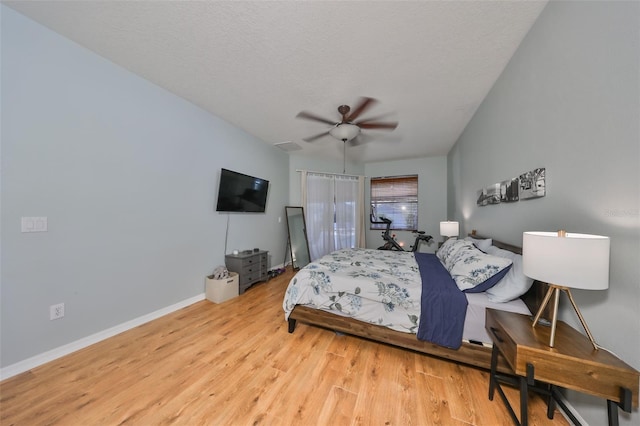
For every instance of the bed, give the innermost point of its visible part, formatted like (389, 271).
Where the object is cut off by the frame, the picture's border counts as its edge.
(403, 324)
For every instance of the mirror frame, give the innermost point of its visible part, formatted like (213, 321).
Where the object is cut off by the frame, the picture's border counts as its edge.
(304, 232)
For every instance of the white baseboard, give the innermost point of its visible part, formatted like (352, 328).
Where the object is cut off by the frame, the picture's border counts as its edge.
(43, 358)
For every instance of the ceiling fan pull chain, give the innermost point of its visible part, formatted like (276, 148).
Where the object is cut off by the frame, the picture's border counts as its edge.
(344, 156)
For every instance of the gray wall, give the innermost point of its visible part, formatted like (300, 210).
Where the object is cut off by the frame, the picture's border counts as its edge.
(568, 101)
(432, 197)
(127, 175)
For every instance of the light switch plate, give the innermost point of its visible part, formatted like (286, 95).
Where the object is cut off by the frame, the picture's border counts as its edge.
(34, 224)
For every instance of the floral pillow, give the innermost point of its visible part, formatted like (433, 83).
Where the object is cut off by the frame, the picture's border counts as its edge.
(450, 248)
(470, 267)
(481, 244)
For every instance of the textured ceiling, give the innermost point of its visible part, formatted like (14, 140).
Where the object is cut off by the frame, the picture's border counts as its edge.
(257, 64)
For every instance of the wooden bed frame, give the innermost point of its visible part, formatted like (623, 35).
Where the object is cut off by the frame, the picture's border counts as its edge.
(471, 354)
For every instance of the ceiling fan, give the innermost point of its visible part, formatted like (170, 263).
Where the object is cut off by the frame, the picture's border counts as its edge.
(348, 128)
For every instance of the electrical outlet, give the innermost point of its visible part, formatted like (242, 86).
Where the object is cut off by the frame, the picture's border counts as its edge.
(56, 311)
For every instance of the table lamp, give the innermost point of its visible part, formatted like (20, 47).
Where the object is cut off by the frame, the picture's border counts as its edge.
(449, 229)
(564, 261)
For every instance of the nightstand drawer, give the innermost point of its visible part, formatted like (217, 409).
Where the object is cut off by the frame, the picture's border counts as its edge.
(250, 269)
(249, 276)
(502, 340)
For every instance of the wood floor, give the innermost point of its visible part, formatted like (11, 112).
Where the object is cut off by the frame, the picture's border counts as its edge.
(235, 364)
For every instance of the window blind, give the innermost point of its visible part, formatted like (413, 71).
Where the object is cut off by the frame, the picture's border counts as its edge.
(395, 198)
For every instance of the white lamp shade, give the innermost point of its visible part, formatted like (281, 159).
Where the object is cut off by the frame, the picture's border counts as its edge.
(575, 260)
(344, 131)
(449, 229)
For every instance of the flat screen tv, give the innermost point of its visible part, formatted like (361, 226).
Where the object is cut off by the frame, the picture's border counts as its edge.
(238, 192)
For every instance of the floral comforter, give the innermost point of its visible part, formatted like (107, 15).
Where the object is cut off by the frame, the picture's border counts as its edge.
(340, 282)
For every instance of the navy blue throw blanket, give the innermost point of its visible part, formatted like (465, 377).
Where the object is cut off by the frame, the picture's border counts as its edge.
(443, 305)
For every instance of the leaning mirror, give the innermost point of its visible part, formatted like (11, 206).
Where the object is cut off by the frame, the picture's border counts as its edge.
(298, 243)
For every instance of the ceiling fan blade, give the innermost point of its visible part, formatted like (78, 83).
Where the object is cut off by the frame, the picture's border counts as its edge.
(377, 125)
(361, 139)
(318, 136)
(310, 116)
(376, 118)
(365, 104)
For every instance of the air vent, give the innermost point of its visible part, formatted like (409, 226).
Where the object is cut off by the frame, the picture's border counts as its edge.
(288, 146)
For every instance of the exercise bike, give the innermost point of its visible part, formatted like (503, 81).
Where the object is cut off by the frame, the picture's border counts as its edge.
(390, 241)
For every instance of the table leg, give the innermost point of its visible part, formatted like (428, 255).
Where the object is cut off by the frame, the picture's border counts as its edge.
(492, 374)
(551, 403)
(612, 412)
(524, 396)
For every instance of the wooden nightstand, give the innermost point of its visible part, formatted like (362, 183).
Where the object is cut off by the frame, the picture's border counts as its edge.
(572, 364)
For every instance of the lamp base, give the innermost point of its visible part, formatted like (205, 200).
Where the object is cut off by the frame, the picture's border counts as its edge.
(554, 290)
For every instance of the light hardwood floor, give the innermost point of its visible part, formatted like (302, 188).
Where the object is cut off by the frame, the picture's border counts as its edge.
(234, 363)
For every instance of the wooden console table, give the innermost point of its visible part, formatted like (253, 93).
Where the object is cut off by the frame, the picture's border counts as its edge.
(572, 363)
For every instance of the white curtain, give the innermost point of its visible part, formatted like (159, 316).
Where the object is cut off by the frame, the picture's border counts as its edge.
(334, 207)
(346, 211)
(320, 210)
(362, 216)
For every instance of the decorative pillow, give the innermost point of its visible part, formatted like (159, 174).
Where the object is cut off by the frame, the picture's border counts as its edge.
(481, 244)
(514, 284)
(486, 285)
(443, 251)
(450, 248)
(458, 253)
(471, 267)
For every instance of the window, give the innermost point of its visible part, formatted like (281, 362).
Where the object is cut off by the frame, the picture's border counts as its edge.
(395, 198)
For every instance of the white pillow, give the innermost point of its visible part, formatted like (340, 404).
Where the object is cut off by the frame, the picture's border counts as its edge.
(514, 284)
(481, 244)
(471, 267)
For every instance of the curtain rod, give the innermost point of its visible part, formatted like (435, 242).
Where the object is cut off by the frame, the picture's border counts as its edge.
(329, 173)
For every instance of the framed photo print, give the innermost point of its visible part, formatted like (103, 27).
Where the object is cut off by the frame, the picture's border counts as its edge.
(509, 190)
(532, 184)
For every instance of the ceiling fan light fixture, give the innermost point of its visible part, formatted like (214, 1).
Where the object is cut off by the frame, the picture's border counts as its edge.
(344, 131)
